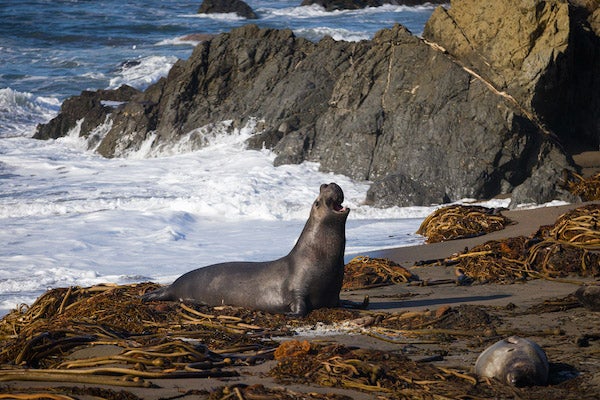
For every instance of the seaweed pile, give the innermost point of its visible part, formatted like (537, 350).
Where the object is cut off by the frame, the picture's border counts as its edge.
(588, 189)
(389, 373)
(104, 335)
(569, 247)
(364, 272)
(136, 341)
(460, 221)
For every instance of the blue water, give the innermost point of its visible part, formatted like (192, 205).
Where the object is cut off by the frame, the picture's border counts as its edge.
(57, 48)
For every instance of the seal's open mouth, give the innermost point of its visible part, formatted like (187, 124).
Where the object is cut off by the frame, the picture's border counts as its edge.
(338, 207)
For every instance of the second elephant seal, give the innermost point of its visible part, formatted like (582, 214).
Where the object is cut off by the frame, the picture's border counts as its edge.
(516, 361)
(309, 277)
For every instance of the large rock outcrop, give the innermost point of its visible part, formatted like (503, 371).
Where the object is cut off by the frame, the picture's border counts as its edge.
(544, 53)
(393, 110)
(90, 107)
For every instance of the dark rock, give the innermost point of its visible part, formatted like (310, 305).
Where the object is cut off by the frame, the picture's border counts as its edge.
(393, 110)
(333, 5)
(227, 6)
(397, 189)
(89, 107)
(250, 72)
(406, 109)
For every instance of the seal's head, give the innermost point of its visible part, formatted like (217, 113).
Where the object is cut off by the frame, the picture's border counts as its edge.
(522, 373)
(329, 202)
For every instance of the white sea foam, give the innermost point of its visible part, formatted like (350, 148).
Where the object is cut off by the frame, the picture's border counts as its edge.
(317, 11)
(143, 72)
(81, 219)
(317, 33)
(20, 112)
(311, 11)
(179, 41)
(222, 17)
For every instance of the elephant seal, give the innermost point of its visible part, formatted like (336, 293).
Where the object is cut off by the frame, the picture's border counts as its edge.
(516, 361)
(309, 277)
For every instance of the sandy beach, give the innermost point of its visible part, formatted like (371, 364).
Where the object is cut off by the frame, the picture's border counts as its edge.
(568, 334)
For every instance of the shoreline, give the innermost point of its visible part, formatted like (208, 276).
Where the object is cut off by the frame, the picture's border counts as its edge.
(558, 332)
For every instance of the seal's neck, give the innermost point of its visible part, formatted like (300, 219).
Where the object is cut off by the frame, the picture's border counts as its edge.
(323, 238)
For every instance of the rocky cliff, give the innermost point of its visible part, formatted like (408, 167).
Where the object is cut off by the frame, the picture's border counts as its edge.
(543, 53)
(426, 123)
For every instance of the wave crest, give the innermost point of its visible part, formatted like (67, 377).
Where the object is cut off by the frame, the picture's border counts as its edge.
(20, 112)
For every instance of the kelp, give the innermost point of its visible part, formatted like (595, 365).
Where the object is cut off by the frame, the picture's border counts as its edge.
(588, 189)
(390, 374)
(461, 221)
(364, 272)
(568, 247)
(165, 340)
(147, 340)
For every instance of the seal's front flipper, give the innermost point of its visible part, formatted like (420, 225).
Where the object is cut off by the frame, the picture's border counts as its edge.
(298, 308)
(157, 295)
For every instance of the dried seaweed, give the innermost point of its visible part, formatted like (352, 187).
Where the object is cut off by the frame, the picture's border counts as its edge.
(387, 373)
(364, 272)
(459, 222)
(149, 340)
(588, 189)
(569, 247)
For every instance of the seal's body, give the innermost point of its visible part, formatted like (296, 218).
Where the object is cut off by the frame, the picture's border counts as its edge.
(309, 277)
(516, 361)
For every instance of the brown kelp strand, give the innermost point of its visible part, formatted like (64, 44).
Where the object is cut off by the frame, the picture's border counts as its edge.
(105, 334)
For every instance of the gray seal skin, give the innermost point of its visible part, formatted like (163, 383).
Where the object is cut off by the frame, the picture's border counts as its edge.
(516, 361)
(309, 277)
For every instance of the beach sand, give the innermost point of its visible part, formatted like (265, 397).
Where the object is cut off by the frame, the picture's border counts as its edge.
(570, 336)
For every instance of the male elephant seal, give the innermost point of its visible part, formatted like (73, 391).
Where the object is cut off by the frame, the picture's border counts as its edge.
(516, 361)
(309, 277)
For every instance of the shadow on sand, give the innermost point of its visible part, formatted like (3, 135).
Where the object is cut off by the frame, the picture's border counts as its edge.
(387, 305)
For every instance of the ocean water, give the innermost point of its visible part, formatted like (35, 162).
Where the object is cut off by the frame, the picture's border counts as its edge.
(71, 217)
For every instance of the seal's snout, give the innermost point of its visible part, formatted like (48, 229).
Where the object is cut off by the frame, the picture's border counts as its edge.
(521, 376)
